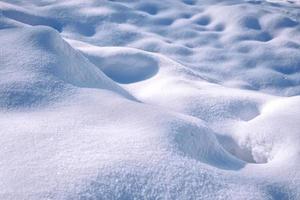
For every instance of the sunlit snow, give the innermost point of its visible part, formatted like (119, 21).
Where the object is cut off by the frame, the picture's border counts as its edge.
(149, 99)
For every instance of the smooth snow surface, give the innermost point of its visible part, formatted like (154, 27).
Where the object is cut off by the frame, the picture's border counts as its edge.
(156, 99)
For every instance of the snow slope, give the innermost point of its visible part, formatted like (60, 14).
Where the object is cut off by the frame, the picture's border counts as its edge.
(131, 99)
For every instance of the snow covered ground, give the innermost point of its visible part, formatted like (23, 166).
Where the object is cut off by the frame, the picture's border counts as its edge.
(149, 99)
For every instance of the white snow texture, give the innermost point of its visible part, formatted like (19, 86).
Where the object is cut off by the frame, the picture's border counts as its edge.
(149, 99)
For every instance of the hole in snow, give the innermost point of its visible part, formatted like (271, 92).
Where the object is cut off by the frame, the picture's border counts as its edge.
(258, 153)
(233, 148)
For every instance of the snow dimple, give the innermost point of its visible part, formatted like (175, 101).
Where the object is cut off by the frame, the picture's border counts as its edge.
(137, 68)
(123, 65)
(250, 22)
(279, 22)
(32, 19)
(149, 8)
(192, 30)
(189, 2)
(203, 20)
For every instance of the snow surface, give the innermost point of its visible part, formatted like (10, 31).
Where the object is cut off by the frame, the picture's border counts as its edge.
(132, 99)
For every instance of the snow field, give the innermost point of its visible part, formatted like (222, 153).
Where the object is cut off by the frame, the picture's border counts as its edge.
(149, 99)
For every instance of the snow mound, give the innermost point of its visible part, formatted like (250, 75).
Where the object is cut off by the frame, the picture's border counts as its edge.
(45, 66)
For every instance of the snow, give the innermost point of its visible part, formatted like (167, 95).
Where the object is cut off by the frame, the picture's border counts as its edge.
(129, 99)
